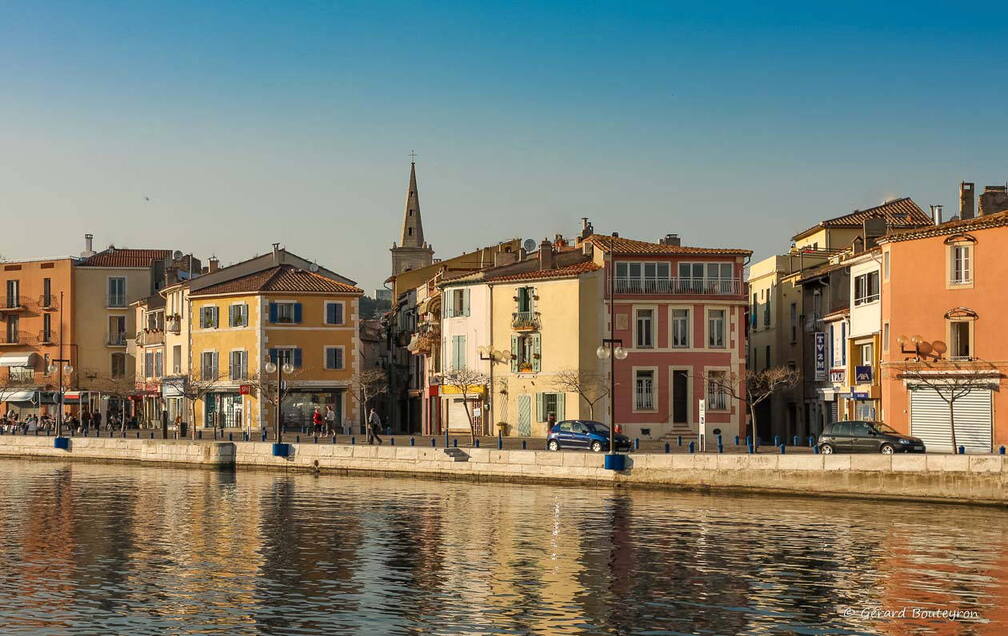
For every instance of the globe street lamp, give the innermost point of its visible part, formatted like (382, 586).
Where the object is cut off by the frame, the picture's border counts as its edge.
(279, 369)
(612, 349)
(61, 365)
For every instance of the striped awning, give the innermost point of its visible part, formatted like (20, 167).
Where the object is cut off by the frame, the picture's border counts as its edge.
(18, 359)
(17, 395)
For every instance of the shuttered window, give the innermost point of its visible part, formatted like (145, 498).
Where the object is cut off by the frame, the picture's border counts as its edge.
(334, 357)
(458, 352)
(334, 313)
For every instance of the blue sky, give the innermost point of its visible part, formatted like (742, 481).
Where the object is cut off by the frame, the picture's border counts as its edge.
(247, 123)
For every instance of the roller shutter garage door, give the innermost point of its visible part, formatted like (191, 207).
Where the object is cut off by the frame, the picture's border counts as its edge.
(929, 420)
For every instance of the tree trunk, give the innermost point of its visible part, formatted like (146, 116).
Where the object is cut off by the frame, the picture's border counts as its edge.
(591, 410)
(752, 422)
(472, 423)
(955, 447)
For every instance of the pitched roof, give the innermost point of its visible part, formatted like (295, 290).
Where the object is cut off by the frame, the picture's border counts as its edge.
(898, 213)
(123, 257)
(284, 278)
(628, 247)
(998, 219)
(537, 274)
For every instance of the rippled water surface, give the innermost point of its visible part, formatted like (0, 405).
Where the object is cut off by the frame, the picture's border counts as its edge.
(114, 549)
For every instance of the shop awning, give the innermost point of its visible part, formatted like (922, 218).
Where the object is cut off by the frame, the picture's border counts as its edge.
(18, 359)
(72, 395)
(17, 396)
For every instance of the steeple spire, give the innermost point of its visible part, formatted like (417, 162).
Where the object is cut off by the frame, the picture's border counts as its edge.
(412, 229)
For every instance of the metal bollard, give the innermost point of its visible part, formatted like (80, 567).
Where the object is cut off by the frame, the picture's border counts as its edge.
(815, 450)
(668, 448)
(962, 450)
(776, 440)
(524, 445)
(297, 438)
(750, 448)
(392, 441)
(477, 442)
(692, 447)
(353, 440)
(679, 440)
(782, 447)
(500, 441)
(412, 441)
(199, 434)
(795, 441)
(736, 440)
(316, 439)
(433, 442)
(230, 437)
(1001, 450)
(446, 438)
(636, 443)
(456, 442)
(811, 441)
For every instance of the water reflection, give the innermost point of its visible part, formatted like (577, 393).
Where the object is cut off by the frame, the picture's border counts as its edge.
(99, 549)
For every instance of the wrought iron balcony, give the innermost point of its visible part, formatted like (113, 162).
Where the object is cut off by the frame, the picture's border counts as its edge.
(681, 286)
(525, 320)
(8, 338)
(13, 303)
(46, 336)
(48, 302)
(173, 324)
(116, 339)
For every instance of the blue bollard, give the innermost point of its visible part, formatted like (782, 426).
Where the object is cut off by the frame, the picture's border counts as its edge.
(962, 450)
(353, 440)
(782, 447)
(316, 439)
(477, 442)
(750, 448)
(736, 440)
(692, 447)
(524, 445)
(795, 441)
(392, 441)
(1001, 450)
(297, 438)
(668, 448)
(679, 440)
(199, 434)
(636, 443)
(412, 441)
(811, 441)
(500, 441)
(815, 450)
(264, 436)
(776, 440)
(748, 440)
(455, 443)
(433, 442)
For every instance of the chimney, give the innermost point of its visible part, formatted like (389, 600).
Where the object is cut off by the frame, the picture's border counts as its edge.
(213, 264)
(88, 245)
(545, 255)
(936, 214)
(276, 254)
(994, 199)
(586, 229)
(965, 200)
(670, 239)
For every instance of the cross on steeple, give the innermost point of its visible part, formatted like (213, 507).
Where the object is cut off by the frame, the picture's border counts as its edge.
(412, 156)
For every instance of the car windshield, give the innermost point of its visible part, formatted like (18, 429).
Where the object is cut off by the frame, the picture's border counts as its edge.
(882, 427)
(596, 427)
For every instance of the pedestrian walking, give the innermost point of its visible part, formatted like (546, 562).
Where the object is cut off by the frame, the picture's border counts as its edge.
(316, 420)
(96, 421)
(373, 426)
(330, 420)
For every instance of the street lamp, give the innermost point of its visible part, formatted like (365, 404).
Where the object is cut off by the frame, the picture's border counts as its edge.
(279, 369)
(612, 349)
(62, 365)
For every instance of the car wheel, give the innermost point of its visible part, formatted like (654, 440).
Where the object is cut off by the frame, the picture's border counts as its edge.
(887, 449)
(553, 445)
(596, 446)
(826, 449)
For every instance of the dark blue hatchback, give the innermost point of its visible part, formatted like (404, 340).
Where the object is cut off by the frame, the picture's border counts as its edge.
(584, 434)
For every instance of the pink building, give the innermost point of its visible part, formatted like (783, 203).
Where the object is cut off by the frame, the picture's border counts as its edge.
(681, 315)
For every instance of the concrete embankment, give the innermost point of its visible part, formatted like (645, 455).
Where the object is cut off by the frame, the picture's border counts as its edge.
(958, 478)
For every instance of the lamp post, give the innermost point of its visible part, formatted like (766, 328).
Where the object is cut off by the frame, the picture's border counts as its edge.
(612, 348)
(62, 365)
(279, 368)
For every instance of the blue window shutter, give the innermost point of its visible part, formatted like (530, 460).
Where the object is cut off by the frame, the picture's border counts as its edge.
(297, 358)
(297, 312)
(536, 353)
(531, 298)
(514, 353)
(330, 355)
(446, 304)
(273, 313)
(843, 343)
(339, 358)
(274, 356)
(560, 405)
(462, 352)
(465, 303)
(540, 416)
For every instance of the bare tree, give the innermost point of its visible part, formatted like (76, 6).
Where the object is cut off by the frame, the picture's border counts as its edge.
(120, 387)
(501, 407)
(193, 388)
(466, 381)
(366, 386)
(759, 385)
(265, 387)
(952, 380)
(592, 387)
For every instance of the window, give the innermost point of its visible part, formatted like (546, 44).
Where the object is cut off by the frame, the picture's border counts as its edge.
(334, 358)
(525, 353)
(885, 337)
(117, 331)
(457, 302)
(12, 329)
(885, 264)
(238, 367)
(766, 308)
(118, 365)
(208, 366)
(158, 364)
(768, 356)
(47, 328)
(549, 404)
(117, 292)
(959, 332)
(716, 328)
(717, 396)
(149, 364)
(238, 315)
(526, 299)
(644, 337)
(334, 313)
(177, 359)
(867, 358)
(794, 322)
(285, 313)
(817, 306)
(961, 266)
(838, 344)
(866, 288)
(458, 352)
(47, 292)
(644, 389)
(208, 317)
(711, 278)
(286, 355)
(680, 328)
(634, 276)
(13, 294)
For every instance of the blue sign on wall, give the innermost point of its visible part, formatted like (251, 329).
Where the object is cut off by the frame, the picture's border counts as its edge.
(863, 374)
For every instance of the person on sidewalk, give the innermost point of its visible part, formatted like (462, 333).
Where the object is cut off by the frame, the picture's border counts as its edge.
(316, 420)
(330, 420)
(373, 426)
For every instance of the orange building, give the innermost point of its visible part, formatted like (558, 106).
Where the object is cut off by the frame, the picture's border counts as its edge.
(32, 330)
(943, 317)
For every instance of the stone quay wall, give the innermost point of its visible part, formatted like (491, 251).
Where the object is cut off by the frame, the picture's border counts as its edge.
(950, 478)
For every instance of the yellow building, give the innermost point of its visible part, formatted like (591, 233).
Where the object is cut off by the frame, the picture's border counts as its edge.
(285, 313)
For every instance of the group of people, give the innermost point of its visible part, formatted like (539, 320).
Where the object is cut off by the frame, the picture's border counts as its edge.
(88, 422)
(325, 424)
(12, 423)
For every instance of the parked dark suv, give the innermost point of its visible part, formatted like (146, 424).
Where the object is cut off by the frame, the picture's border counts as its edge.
(866, 437)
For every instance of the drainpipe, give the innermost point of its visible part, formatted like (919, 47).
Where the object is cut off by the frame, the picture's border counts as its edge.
(490, 389)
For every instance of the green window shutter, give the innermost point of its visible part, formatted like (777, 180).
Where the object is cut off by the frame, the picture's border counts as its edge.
(462, 352)
(531, 298)
(465, 302)
(446, 303)
(536, 353)
(560, 405)
(514, 353)
(540, 415)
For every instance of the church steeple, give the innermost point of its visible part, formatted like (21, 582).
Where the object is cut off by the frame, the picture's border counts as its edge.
(412, 252)
(412, 226)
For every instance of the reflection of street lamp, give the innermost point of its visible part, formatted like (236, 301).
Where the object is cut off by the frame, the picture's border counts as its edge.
(279, 369)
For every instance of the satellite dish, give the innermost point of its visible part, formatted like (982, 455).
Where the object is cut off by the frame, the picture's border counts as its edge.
(313, 267)
(177, 255)
(924, 347)
(529, 245)
(939, 347)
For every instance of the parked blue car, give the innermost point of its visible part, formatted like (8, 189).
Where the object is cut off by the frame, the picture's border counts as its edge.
(584, 434)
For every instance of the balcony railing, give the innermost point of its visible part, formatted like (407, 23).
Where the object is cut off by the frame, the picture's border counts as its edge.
(173, 324)
(13, 303)
(46, 336)
(116, 339)
(153, 336)
(17, 338)
(115, 300)
(644, 400)
(525, 320)
(48, 302)
(685, 286)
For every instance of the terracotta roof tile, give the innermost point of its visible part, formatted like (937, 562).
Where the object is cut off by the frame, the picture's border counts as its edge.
(560, 272)
(629, 247)
(285, 278)
(997, 219)
(123, 257)
(899, 213)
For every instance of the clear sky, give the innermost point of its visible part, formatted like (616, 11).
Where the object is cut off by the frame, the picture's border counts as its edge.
(245, 123)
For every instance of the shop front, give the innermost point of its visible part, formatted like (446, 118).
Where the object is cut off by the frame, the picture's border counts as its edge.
(300, 403)
(224, 409)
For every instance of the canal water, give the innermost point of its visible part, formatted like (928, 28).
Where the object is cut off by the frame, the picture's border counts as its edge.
(94, 549)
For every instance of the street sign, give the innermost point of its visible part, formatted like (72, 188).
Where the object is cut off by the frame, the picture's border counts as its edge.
(858, 395)
(863, 374)
(836, 376)
(820, 356)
